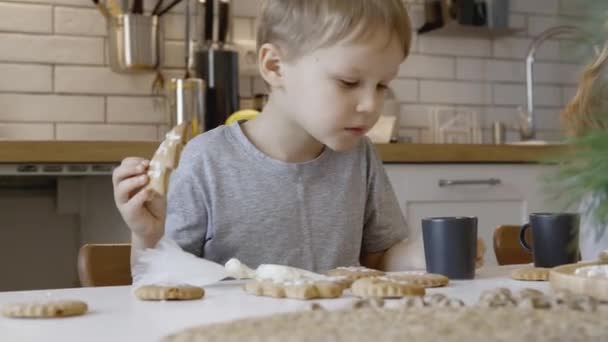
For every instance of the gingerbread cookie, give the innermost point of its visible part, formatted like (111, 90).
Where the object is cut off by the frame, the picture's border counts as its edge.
(354, 272)
(531, 274)
(603, 256)
(385, 287)
(166, 158)
(154, 292)
(425, 280)
(304, 289)
(50, 309)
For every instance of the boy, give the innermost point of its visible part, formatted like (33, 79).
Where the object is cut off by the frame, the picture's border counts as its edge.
(299, 185)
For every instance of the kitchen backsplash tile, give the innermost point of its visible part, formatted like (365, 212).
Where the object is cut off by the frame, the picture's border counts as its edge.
(26, 78)
(516, 48)
(49, 107)
(535, 6)
(122, 109)
(490, 70)
(79, 22)
(66, 131)
(25, 18)
(51, 49)
(27, 131)
(424, 66)
(454, 93)
(515, 94)
(56, 80)
(405, 90)
(100, 80)
(448, 46)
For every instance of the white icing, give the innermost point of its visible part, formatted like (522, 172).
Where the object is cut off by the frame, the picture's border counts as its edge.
(237, 270)
(597, 271)
(407, 273)
(284, 273)
(154, 173)
(309, 281)
(171, 136)
(277, 273)
(394, 281)
(358, 269)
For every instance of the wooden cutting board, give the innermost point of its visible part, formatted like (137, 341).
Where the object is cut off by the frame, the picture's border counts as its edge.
(563, 278)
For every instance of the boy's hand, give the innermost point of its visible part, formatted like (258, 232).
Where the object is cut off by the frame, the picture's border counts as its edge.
(143, 211)
(481, 250)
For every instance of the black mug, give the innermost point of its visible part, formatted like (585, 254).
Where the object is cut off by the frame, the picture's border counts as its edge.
(450, 246)
(554, 236)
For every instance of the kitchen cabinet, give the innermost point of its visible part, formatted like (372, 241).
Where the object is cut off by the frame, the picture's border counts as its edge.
(497, 194)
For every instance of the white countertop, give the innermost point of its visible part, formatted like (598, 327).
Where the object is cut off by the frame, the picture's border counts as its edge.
(116, 315)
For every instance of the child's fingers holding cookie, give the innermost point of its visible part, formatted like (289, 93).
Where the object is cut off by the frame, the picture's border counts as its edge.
(130, 187)
(129, 169)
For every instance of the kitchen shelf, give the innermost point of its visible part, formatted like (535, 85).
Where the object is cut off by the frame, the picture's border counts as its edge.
(36, 157)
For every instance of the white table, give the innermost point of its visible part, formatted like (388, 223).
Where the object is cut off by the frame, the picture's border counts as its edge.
(116, 315)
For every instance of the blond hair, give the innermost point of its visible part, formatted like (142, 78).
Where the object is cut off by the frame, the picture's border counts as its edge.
(301, 26)
(581, 114)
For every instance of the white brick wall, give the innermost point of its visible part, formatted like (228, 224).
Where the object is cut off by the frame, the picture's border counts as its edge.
(56, 83)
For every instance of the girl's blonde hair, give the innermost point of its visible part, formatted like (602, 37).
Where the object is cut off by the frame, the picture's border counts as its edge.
(581, 114)
(301, 26)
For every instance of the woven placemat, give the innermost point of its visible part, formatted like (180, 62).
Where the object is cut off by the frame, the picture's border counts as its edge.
(413, 324)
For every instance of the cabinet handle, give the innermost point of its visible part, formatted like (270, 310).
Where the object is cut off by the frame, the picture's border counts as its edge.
(490, 181)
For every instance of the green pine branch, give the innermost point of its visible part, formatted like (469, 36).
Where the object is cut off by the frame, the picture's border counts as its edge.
(582, 171)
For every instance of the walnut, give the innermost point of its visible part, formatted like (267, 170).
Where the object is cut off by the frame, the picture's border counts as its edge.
(316, 306)
(496, 298)
(529, 293)
(584, 303)
(413, 302)
(369, 303)
(435, 299)
(534, 302)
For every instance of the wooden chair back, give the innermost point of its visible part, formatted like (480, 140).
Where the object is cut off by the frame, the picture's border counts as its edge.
(104, 264)
(507, 248)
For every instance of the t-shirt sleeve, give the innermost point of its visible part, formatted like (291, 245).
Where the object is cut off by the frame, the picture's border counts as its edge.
(186, 219)
(384, 221)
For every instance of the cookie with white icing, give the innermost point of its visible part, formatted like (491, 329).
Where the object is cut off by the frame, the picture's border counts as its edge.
(353, 273)
(385, 287)
(531, 274)
(303, 289)
(166, 158)
(423, 279)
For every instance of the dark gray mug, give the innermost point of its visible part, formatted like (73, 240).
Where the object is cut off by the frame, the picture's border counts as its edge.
(450, 246)
(554, 237)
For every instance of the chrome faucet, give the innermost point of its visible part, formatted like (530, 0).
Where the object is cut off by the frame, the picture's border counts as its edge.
(528, 126)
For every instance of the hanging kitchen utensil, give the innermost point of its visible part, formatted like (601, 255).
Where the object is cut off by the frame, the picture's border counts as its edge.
(217, 64)
(124, 6)
(168, 8)
(156, 8)
(224, 21)
(102, 9)
(138, 7)
(114, 8)
(186, 103)
(135, 43)
(209, 18)
(187, 42)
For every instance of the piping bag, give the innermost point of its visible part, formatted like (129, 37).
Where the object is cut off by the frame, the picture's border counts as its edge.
(168, 265)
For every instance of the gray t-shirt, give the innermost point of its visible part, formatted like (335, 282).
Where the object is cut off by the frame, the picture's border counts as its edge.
(228, 199)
